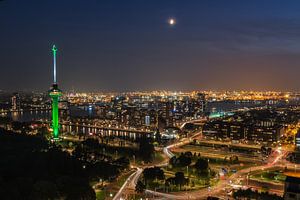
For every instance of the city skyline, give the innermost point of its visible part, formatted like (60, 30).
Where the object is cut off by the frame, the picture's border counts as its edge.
(132, 46)
(135, 100)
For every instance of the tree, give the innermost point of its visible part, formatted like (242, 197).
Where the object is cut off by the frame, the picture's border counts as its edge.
(5, 121)
(140, 187)
(148, 175)
(184, 160)
(159, 173)
(34, 169)
(43, 132)
(158, 136)
(180, 179)
(91, 143)
(201, 166)
(170, 181)
(123, 162)
(153, 173)
(173, 160)
(249, 194)
(188, 154)
(146, 149)
(44, 190)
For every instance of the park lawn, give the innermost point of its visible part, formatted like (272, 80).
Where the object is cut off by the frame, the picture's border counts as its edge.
(113, 187)
(218, 163)
(121, 180)
(158, 159)
(276, 176)
(213, 160)
(136, 196)
(100, 195)
(219, 156)
(198, 183)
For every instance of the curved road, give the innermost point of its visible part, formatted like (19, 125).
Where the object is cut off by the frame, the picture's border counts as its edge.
(131, 182)
(199, 194)
(133, 178)
(203, 193)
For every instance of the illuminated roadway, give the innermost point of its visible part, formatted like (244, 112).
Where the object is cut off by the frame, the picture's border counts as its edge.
(221, 185)
(199, 194)
(133, 178)
(131, 182)
(274, 161)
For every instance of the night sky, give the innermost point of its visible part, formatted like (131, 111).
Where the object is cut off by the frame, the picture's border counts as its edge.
(127, 45)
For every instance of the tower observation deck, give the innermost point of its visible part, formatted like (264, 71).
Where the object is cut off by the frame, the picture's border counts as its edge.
(55, 93)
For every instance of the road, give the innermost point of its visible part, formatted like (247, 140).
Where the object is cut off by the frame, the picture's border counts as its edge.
(130, 181)
(185, 141)
(133, 178)
(221, 185)
(203, 193)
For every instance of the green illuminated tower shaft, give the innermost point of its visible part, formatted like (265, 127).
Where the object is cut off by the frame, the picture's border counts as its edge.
(55, 119)
(55, 93)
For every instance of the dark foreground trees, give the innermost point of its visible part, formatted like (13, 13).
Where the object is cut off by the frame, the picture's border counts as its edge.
(146, 149)
(32, 169)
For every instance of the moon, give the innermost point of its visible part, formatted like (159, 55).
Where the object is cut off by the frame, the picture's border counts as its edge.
(172, 21)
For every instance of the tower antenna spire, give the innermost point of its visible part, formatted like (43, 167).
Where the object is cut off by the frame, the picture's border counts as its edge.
(54, 50)
(55, 94)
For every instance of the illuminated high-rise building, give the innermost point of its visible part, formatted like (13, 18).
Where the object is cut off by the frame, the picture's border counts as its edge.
(297, 140)
(201, 102)
(15, 102)
(55, 93)
(147, 120)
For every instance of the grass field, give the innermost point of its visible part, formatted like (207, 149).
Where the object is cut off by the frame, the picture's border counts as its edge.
(274, 175)
(100, 195)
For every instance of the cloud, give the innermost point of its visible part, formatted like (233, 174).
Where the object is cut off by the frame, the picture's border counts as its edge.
(266, 35)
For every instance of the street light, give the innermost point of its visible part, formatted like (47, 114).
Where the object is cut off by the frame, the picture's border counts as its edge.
(187, 170)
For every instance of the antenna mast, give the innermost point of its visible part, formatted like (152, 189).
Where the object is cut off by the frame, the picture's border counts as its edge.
(54, 50)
